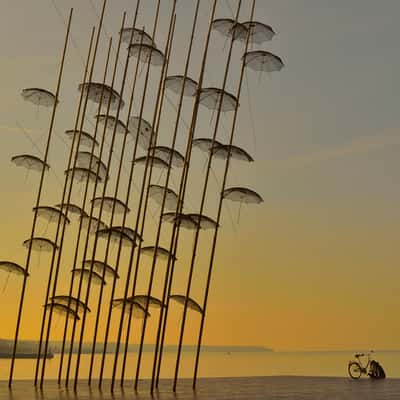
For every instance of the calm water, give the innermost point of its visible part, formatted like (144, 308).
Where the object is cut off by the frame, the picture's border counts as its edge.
(324, 364)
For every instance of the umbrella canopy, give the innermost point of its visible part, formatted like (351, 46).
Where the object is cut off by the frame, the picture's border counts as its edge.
(148, 53)
(39, 97)
(51, 214)
(94, 92)
(156, 192)
(263, 61)
(190, 302)
(175, 82)
(86, 139)
(87, 275)
(161, 252)
(30, 162)
(242, 195)
(13, 268)
(111, 204)
(211, 98)
(40, 244)
(145, 130)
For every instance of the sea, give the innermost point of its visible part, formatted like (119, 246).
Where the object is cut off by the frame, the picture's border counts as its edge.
(230, 375)
(216, 364)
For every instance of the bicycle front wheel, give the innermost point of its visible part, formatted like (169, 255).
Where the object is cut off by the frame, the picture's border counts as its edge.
(354, 370)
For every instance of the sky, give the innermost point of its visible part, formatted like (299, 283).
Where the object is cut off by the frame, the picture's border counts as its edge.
(316, 265)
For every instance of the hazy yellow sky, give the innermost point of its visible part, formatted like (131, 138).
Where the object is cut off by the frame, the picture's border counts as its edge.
(316, 265)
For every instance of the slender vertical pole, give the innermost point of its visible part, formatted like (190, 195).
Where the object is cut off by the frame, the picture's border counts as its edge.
(210, 269)
(116, 191)
(38, 199)
(176, 228)
(62, 220)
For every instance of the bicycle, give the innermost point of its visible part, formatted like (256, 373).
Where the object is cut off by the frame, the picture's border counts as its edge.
(356, 368)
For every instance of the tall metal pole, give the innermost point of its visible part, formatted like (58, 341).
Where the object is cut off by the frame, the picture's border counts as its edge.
(38, 198)
(176, 229)
(197, 234)
(62, 220)
(210, 269)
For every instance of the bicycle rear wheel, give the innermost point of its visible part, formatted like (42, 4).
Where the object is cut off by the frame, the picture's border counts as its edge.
(354, 370)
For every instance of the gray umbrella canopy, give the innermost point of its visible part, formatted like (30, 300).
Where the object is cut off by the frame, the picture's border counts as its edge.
(204, 221)
(259, 32)
(144, 299)
(156, 192)
(161, 252)
(148, 53)
(236, 153)
(13, 268)
(138, 311)
(51, 214)
(72, 208)
(116, 236)
(101, 268)
(90, 161)
(128, 231)
(184, 220)
(111, 204)
(40, 244)
(263, 61)
(112, 123)
(242, 195)
(190, 302)
(81, 175)
(72, 302)
(93, 224)
(95, 91)
(157, 162)
(86, 139)
(166, 154)
(30, 162)
(229, 28)
(39, 97)
(212, 97)
(175, 82)
(138, 36)
(145, 130)
(63, 310)
(87, 275)
(205, 144)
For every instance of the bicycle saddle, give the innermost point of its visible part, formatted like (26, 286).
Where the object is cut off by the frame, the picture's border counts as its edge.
(359, 355)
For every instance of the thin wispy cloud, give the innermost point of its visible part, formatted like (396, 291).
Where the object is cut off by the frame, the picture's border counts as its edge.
(362, 146)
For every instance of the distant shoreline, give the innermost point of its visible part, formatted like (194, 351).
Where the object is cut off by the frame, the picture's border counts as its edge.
(30, 347)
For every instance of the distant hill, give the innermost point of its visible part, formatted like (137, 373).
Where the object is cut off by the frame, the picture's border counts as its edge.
(31, 346)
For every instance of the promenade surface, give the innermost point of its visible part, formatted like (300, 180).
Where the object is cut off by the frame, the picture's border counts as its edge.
(294, 388)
